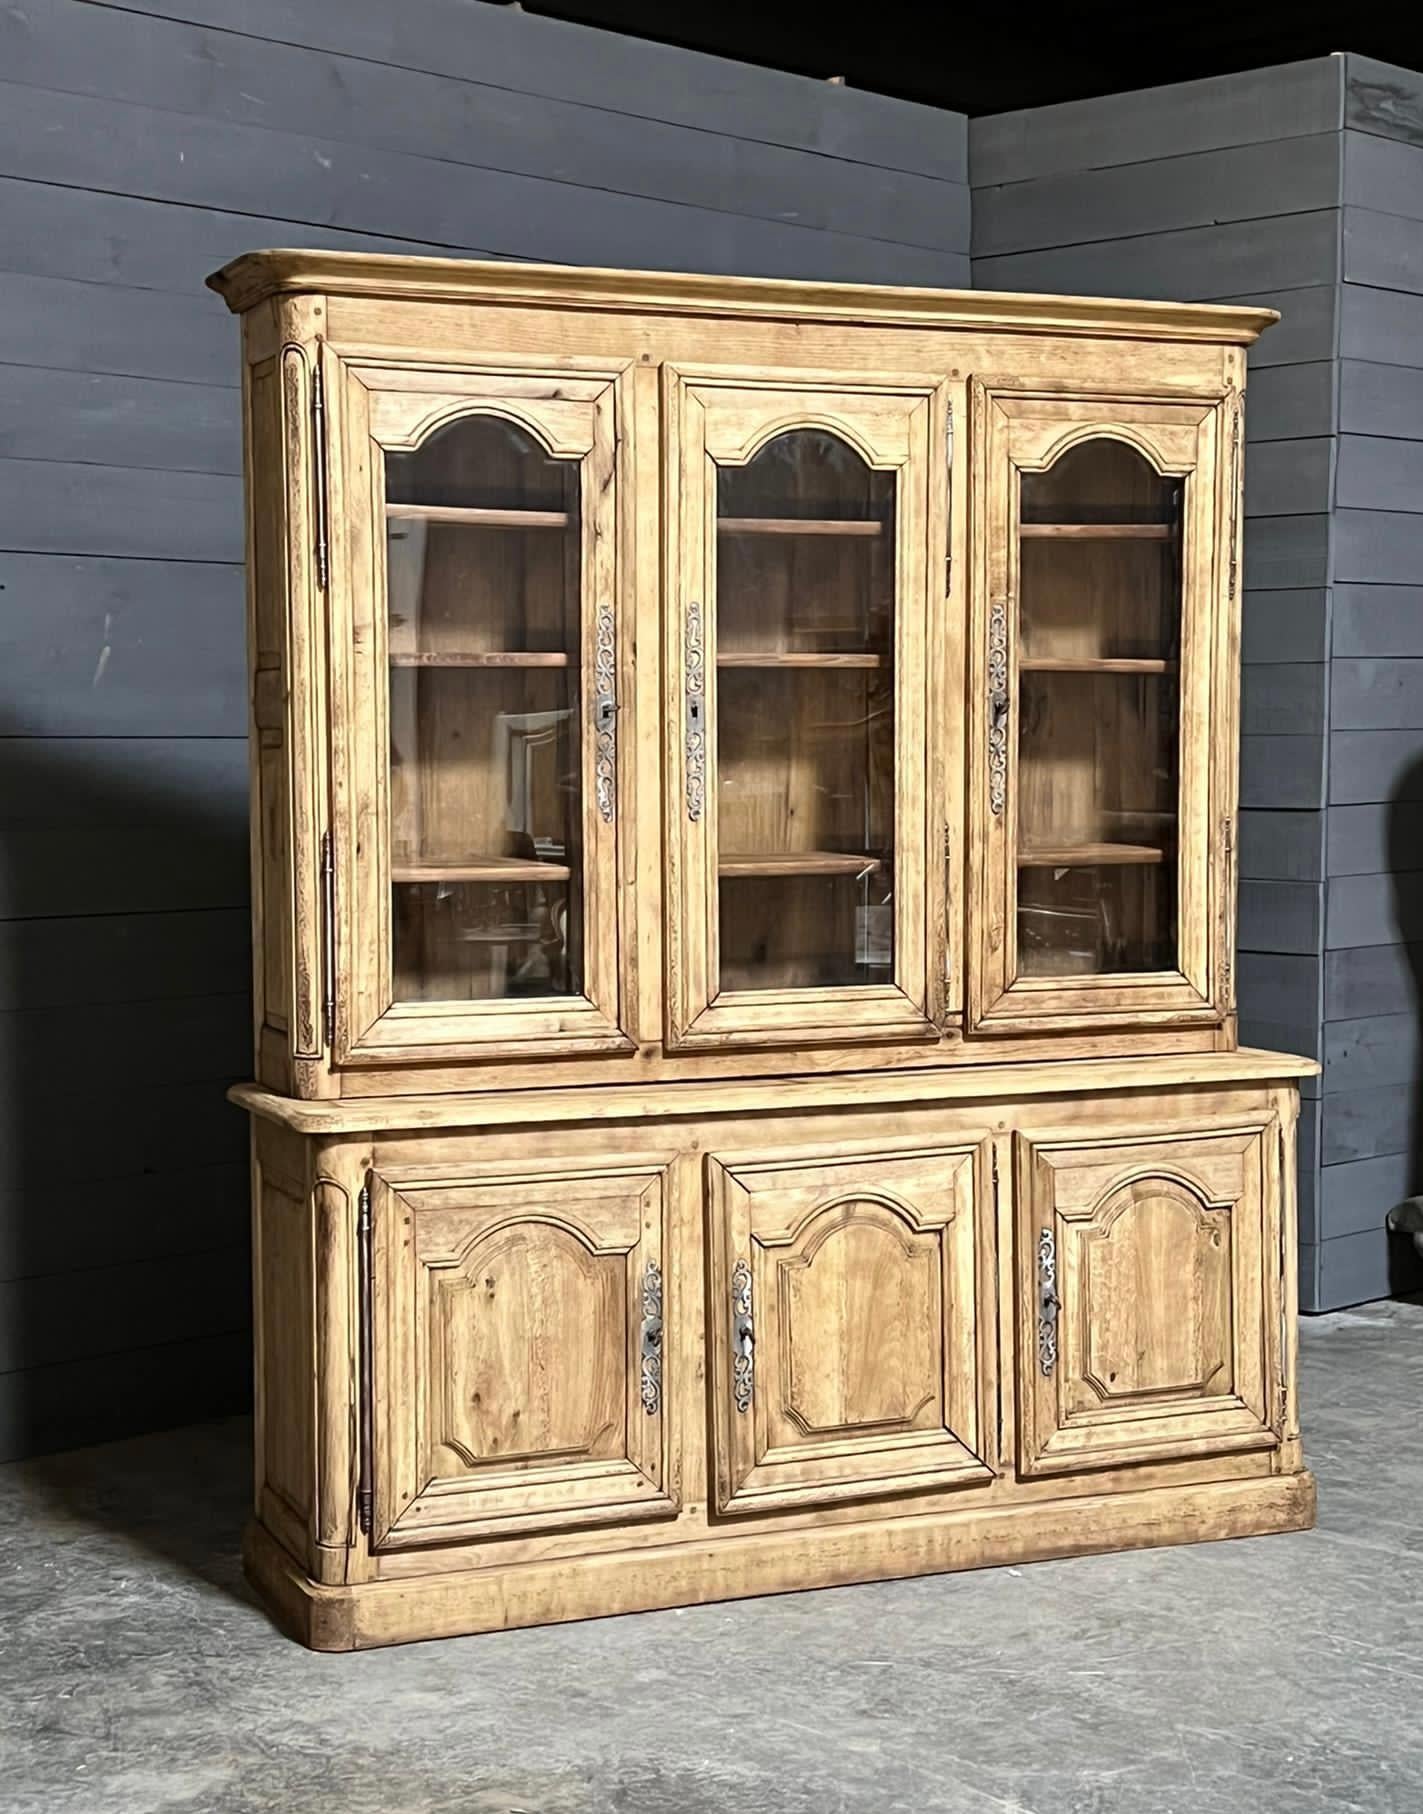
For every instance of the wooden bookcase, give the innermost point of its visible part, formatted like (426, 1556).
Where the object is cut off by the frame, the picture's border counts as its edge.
(747, 1091)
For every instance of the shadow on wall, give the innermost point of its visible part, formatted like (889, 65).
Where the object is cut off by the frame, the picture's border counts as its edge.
(126, 1282)
(1405, 862)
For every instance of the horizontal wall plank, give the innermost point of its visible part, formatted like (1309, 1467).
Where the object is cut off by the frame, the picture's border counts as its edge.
(1282, 846)
(75, 1403)
(122, 825)
(1356, 1195)
(1283, 697)
(1308, 1274)
(94, 647)
(1378, 399)
(1371, 979)
(1383, 98)
(1383, 252)
(1289, 402)
(1286, 102)
(1375, 693)
(1285, 626)
(90, 1312)
(1382, 174)
(67, 324)
(1368, 766)
(205, 1039)
(1289, 478)
(118, 421)
(111, 1220)
(1279, 995)
(1359, 1268)
(1372, 839)
(1157, 195)
(70, 47)
(123, 957)
(1305, 332)
(51, 507)
(1378, 473)
(1378, 547)
(1286, 553)
(1374, 909)
(1203, 263)
(77, 141)
(556, 60)
(93, 236)
(1364, 1124)
(1377, 620)
(1280, 916)
(1282, 771)
(1366, 1054)
(1382, 326)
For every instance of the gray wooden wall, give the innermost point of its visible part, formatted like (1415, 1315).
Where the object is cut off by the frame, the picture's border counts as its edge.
(1300, 187)
(140, 147)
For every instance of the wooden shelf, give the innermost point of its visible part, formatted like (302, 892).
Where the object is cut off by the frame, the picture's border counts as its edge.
(1088, 856)
(482, 869)
(479, 658)
(793, 525)
(487, 519)
(798, 863)
(1093, 664)
(1099, 532)
(775, 659)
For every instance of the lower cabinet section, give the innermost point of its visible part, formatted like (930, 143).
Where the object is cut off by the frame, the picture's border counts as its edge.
(845, 1340)
(593, 1365)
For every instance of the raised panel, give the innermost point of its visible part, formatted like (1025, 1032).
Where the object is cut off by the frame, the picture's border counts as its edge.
(848, 1358)
(512, 1389)
(1149, 1297)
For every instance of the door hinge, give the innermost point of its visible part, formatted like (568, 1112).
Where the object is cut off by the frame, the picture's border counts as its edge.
(949, 500)
(694, 669)
(318, 445)
(364, 1492)
(328, 939)
(1235, 484)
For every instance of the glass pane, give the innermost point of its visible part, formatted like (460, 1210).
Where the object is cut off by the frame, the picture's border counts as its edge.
(1098, 706)
(482, 544)
(805, 719)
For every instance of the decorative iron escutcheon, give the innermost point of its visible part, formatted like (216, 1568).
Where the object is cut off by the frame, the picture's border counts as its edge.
(743, 1337)
(1049, 1303)
(605, 714)
(652, 1339)
(997, 704)
(696, 709)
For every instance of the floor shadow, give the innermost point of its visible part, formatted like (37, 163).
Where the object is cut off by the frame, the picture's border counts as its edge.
(124, 972)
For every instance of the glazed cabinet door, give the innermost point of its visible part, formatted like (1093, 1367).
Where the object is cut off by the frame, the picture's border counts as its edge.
(1149, 1286)
(799, 525)
(1104, 708)
(849, 1325)
(477, 629)
(516, 1353)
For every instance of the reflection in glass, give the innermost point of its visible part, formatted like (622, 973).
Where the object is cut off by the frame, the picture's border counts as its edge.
(482, 530)
(1098, 714)
(805, 717)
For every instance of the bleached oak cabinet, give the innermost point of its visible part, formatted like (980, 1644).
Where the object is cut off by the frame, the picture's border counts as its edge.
(747, 1092)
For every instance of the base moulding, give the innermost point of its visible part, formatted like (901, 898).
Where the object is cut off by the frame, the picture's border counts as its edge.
(365, 1615)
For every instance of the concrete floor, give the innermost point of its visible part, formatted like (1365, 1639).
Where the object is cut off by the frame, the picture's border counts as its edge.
(1282, 1673)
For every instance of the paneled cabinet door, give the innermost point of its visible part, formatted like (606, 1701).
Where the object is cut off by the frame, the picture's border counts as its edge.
(849, 1328)
(516, 1360)
(1149, 1298)
(477, 625)
(801, 521)
(1102, 738)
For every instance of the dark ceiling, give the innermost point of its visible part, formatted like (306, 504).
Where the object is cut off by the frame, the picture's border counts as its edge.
(992, 57)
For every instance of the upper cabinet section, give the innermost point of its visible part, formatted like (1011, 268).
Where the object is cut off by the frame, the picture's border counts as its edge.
(800, 527)
(1104, 706)
(475, 634)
